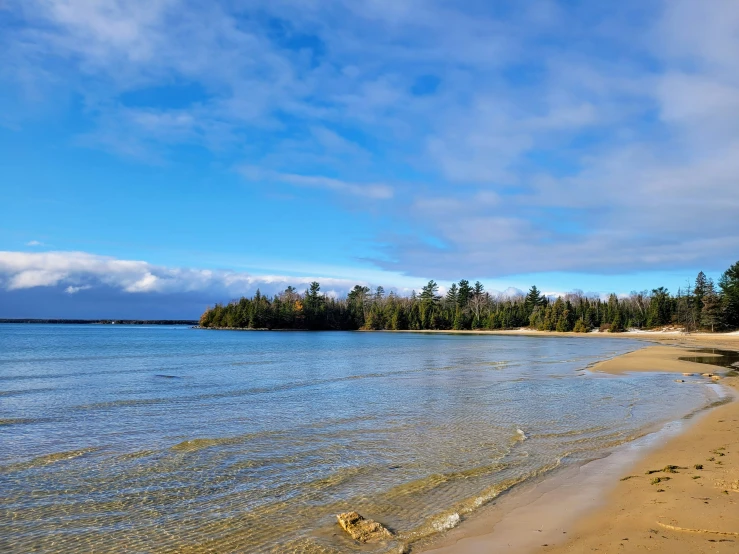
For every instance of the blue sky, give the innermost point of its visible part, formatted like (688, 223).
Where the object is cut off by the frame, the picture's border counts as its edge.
(161, 155)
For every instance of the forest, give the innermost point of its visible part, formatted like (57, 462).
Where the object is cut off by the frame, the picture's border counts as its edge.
(700, 305)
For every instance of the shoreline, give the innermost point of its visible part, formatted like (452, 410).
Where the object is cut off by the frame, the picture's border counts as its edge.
(650, 335)
(591, 507)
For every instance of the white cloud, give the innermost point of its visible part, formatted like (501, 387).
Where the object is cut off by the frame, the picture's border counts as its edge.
(375, 191)
(74, 290)
(78, 271)
(82, 271)
(34, 243)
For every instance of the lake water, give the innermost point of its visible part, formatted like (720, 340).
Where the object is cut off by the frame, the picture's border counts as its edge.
(156, 439)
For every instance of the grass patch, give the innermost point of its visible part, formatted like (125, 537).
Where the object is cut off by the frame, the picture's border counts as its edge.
(696, 476)
(657, 480)
(698, 466)
(628, 477)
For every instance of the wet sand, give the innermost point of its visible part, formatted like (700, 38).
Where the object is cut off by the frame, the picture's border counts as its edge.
(615, 504)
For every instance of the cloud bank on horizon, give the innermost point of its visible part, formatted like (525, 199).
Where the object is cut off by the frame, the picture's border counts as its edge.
(127, 287)
(79, 271)
(451, 140)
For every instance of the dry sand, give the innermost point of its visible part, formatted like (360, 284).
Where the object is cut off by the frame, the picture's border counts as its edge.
(614, 504)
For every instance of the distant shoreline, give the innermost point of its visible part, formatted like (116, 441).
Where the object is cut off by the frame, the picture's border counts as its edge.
(101, 321)
(653, 335)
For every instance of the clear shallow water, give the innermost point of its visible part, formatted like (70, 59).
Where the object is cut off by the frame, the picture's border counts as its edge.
(152, 439)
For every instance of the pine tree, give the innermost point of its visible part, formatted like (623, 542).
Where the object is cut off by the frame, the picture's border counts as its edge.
(314, 306)
(711, 310)
(451, 295)
(659, 308)
(465, 291)
(729, 285)
(533, 299)
(617, 325)
(457, 322)
(428, 293)
(478, 289)
(699, 291)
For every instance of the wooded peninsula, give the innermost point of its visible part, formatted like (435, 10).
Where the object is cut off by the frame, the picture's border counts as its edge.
(699, 305)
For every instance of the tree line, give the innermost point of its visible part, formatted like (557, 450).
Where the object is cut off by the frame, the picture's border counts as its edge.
(701, 304)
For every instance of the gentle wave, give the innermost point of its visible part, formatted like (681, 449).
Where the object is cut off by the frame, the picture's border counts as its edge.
(267, 436)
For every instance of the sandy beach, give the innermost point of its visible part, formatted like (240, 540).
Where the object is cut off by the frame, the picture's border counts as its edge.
(677, 491)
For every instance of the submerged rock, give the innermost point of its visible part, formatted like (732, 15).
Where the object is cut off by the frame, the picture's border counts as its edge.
(362, 530)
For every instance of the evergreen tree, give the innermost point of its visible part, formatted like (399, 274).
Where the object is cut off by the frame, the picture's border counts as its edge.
(428, 293)
(362, 309)
(314, 307)
(398, 320)
(699, 292)
(478, 289)
(659, 308)
(465, 291)
(458, 321)
(533, 299)
(451, 295)
(729, 285)
(711, 311)
(617, 325)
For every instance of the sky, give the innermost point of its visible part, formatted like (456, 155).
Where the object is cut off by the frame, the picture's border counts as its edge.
(157, 156)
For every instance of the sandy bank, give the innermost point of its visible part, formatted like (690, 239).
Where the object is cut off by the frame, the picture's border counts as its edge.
(666, 358)
(614, 504)
(667, 337)
(695, 511)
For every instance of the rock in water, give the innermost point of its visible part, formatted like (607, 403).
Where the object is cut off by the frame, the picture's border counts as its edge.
(362, 530)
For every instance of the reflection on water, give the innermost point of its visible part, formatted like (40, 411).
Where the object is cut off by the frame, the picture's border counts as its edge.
(162, 439)
(721, 358)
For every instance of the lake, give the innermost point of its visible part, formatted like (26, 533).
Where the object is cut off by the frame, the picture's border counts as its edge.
(155, 438)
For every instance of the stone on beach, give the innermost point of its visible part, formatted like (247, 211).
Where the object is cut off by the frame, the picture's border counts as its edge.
(688, 374)
(361, 529)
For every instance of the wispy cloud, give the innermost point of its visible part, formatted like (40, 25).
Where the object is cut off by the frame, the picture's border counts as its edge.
(557, 136)
(34, 243)
(376, 191)
(74, 290)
